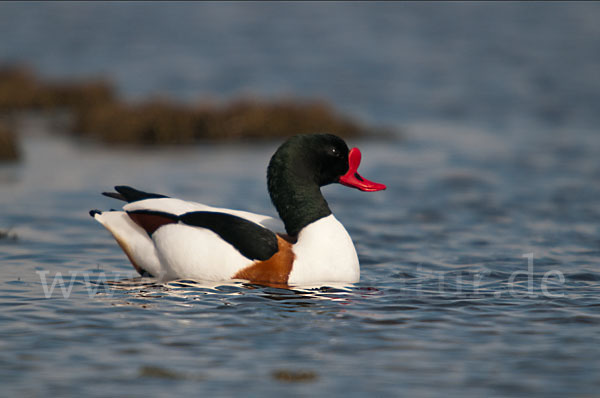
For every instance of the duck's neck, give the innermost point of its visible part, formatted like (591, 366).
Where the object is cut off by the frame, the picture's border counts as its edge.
(295, 194)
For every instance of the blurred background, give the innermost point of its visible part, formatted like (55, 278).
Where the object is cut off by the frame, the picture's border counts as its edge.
(497, 65)
(481, 117)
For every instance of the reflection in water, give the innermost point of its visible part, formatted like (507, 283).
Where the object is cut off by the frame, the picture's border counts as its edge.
(195, 290)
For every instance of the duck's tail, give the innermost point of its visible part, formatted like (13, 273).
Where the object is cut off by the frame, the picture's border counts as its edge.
(133, 239)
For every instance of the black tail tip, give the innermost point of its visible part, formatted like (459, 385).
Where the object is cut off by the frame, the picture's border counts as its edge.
(94, 212)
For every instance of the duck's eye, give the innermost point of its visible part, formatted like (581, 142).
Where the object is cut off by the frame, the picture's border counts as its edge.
(334, 151)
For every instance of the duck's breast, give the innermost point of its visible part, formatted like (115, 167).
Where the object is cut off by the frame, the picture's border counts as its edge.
(324, 253)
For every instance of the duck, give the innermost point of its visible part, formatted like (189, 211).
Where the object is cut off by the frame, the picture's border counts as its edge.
(169, 238)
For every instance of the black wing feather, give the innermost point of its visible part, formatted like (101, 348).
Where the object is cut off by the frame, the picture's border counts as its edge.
(129, 194)
(114, 195)
(250, 239)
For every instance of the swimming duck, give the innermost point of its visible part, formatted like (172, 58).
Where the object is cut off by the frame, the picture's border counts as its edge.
(170, 238)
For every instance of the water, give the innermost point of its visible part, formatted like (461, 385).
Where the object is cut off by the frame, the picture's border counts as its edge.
(479, 263)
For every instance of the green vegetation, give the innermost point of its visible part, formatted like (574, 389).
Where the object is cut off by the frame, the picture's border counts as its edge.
(20, 89)
(98, 113)
(9, 148)
(163, 122)
(291, 376)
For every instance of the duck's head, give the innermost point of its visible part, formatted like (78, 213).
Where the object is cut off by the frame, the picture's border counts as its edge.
(322, 159)
(302, 165)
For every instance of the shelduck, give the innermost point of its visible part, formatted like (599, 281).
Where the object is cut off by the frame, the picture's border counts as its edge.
(170, 238)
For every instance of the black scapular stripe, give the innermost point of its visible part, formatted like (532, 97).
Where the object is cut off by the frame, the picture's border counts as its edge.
(129, 194)
(250, 239)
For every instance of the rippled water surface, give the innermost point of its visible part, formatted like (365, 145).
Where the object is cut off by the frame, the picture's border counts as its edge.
(436, 307)
(480, 262)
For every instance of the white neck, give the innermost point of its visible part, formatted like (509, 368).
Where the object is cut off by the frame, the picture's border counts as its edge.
(324, 253)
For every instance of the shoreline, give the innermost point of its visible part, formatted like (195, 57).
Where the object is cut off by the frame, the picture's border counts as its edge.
(97, 113)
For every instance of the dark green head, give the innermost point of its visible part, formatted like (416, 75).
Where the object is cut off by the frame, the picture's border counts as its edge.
(318, 158)
(300, 167)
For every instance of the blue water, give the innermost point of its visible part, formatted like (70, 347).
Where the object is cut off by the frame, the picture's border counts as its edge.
(480, 263)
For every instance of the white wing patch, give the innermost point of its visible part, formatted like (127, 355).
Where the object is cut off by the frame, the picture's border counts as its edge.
(197, 253)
